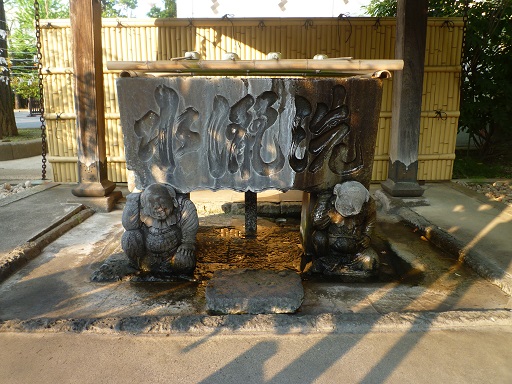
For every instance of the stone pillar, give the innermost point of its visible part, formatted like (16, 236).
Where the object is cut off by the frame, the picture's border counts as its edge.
(411, 31)
(251, 214)
(89, 100)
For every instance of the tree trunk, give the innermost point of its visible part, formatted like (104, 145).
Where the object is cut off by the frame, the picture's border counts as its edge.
(7, 120)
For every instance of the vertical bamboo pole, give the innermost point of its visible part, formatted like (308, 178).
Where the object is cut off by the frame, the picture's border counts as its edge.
(64, 52)
(306, 54)
(111, 41)
(289, 42)
(209, 38)
(326, 33)
(458, 45)
(439, 48)
(107, 45)
(452, 92)
(163, 42)
(143, 44)
(135, 38)
(301, 47)
(256, 43)
(171, 42)
(377, 54)
(444, 48)
(125, 44)
(191, 45)
(338, 39)
(133, 43)
(182, 33)
(184, 39)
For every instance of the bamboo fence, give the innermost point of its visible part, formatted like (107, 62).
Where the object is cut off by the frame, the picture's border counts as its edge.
(252, 39)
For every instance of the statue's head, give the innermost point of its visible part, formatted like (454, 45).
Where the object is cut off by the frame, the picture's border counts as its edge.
(158, 201)
(350, 197)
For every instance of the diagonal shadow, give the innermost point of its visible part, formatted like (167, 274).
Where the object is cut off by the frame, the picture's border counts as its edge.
(248, 367)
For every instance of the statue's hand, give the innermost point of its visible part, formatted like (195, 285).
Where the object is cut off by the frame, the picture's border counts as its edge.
(185, 258)
(365, 241)
(335, 217)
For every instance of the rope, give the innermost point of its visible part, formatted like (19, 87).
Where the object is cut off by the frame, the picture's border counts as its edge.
(341, 17)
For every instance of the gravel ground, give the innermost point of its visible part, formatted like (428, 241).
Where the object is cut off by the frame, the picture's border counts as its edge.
(9, 189)
(497, 191)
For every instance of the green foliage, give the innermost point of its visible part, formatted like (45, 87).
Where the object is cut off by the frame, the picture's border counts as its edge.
(487, 88)
(26, 85)
(25, 134)
(168, 11)
(468, 165)
(22, 42)
(117, 8)
(436, 8)
(381, 8)
(486, 93)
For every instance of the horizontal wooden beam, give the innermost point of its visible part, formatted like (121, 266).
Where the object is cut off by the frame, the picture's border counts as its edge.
(284, 66)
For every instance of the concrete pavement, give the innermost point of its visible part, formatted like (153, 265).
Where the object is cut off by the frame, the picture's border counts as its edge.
(477, 229)
(24, 120)
(464, 356)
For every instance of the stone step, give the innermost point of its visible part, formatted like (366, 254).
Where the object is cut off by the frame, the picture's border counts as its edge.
(250, 291)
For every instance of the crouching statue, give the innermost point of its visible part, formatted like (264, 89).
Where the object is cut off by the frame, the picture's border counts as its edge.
(161, 230)
(342, 225)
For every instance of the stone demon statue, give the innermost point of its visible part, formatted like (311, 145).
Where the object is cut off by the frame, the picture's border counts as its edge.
(342, 225)
(161, 230)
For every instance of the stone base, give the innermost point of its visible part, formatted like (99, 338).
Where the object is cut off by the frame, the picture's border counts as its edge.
(254, 291)
(117, 268)
(392, 203)
(99, 204)
(94, 189)
(402, 188)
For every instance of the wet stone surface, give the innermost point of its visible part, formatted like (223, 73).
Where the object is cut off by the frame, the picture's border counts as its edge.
(277, 247)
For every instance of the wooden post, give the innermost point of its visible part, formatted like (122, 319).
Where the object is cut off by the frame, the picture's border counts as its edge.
(411, 32)
(89, 99)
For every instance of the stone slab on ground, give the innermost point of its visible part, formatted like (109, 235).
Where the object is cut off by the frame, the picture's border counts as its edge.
(25, 217)
(254, 291)
(392, 203)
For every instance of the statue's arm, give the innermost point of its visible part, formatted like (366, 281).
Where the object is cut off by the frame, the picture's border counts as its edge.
(131, 212)
(369, 223)
(371, 217)
(189, 222)
(320, 216)
(185, 258)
